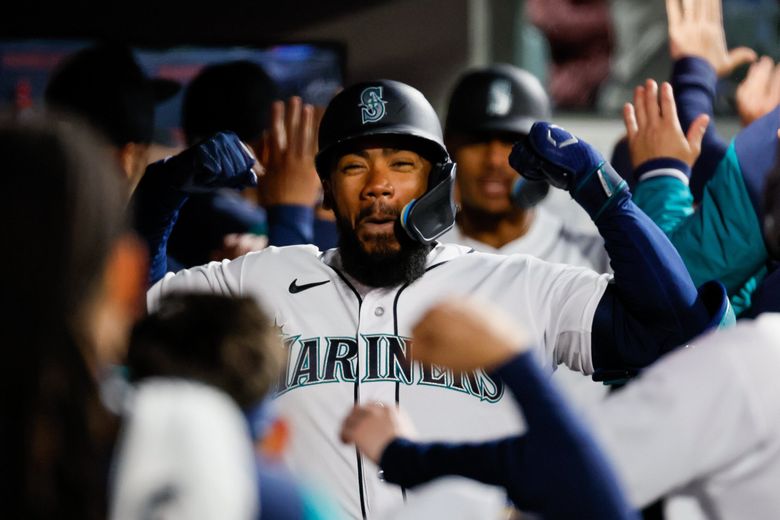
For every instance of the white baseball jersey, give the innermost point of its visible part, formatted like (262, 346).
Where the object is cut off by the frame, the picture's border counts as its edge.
(703, 421)
(549, 239)
(185, 452)
(349, 344)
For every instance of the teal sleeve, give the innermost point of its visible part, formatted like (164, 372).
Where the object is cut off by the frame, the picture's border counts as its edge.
(722, 239)
(666, 200)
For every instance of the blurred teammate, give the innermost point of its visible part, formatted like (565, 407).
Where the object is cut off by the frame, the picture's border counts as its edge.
(490, 109)
(75, 293)
(105, 86)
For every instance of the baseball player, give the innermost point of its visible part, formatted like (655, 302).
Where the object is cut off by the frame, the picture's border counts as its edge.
(490, 109)
(347, 313)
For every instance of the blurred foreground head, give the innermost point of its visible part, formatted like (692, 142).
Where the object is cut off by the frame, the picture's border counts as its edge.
(221, 341)
(72, 289)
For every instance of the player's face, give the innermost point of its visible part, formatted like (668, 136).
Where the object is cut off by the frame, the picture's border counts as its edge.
(370, 187)
(484, 175)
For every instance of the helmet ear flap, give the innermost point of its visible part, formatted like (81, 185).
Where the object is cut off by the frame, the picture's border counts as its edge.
(433, 214)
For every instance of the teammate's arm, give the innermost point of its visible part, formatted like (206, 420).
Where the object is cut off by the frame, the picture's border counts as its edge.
(661, 154)
(689, 415)
(697, 44)
(221, 161)
(554, 469)
(653, 305)
(290, 188)
(722, 238)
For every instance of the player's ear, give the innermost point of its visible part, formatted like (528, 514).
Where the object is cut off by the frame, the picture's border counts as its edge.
(274, 443)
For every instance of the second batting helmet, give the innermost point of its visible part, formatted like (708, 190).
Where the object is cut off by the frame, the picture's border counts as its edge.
(499, 98)
(385, 108)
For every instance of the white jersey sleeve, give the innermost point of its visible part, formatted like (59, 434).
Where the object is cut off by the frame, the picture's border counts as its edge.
(564, 299)
(704, 417)
(185, 452)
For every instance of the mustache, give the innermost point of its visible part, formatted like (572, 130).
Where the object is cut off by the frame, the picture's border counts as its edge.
(379, 210)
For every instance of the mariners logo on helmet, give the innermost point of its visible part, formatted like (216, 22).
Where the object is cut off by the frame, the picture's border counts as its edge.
(372, 104)
(500, 98)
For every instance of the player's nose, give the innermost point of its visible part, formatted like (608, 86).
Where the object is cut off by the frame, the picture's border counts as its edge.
(497, 153)
(378, 183)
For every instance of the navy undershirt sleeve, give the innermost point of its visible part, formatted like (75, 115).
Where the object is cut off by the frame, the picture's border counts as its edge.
(290, 225)
(156, 206)
(694, 82)
(326, 234)
(555, 469)
(652, 305)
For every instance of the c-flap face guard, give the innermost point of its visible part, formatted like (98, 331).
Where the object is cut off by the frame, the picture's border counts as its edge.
(429, 217)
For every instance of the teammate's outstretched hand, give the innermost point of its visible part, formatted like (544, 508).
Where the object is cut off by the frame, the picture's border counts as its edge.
(218, 162)
(289, 148)
(696, 29)
(654, 130)
(372, 427)
(759, 92)
(465, 335)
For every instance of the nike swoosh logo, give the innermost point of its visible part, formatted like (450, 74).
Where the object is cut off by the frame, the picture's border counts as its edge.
(295, 288)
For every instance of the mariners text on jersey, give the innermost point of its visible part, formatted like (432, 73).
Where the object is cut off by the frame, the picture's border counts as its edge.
(347, 344)
(387, 358)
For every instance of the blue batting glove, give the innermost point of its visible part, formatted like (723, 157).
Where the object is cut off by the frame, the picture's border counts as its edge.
(221, 161)
(552, 154)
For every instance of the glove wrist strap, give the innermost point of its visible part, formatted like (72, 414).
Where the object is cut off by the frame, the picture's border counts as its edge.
(599, 190)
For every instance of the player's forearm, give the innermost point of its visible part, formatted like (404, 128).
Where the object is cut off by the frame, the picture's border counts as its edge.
(556, 458)
(694, 82)
(653, 305)
(290, 225)
(409, 464)
(326, 234)
(559, 458)
(155, 206)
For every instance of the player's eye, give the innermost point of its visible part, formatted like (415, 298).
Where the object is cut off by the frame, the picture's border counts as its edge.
(352, 168)
(402, 164)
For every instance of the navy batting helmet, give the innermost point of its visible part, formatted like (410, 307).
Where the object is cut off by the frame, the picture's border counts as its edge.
(500, 99)
(385, 108)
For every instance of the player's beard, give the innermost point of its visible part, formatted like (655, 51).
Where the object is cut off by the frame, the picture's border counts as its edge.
(385, 266)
